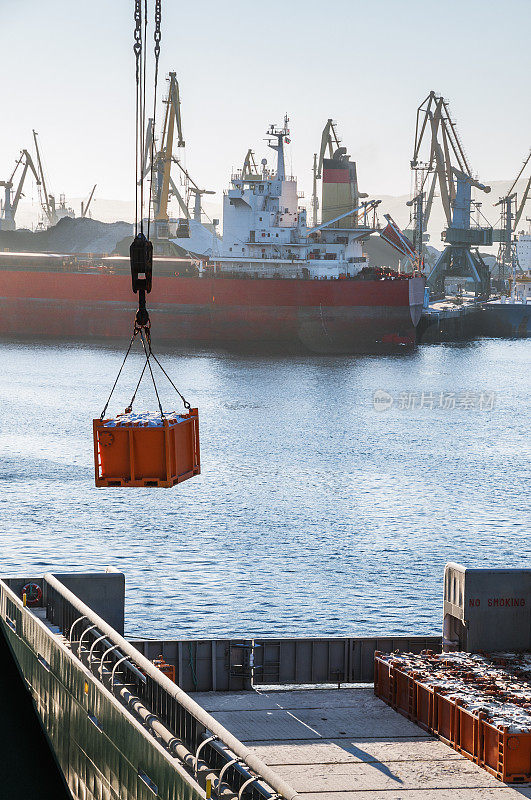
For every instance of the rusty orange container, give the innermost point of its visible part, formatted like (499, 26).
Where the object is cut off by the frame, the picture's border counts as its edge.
(505, 755)
(136, 454)
(166, 669)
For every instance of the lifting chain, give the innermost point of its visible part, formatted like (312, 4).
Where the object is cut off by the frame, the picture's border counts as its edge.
(157, 34)
(137, 47)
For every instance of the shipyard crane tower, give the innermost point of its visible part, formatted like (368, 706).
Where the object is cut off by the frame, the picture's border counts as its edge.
(8, 208)
(511, 214)
(446, 168)
(339, 176)
(159, 161)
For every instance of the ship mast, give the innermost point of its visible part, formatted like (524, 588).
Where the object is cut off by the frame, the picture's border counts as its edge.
(281, 135)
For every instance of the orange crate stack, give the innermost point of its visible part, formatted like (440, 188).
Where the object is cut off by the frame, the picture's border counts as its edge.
(130, 453)
(504, 752)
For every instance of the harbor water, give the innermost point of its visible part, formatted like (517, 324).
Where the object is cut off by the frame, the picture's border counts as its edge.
(333, 489)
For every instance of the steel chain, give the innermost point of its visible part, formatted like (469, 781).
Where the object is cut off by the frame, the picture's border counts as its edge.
(137, 47)
(157, 35)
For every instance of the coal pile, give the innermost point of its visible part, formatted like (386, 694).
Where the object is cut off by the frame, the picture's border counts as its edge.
(70, 235)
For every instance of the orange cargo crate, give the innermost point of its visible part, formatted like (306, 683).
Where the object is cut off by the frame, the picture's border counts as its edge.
(424, 706)
(467, 728)
(383, 679)
(132, 454)
(405, 694)
(166, 669)
(505, 755)
(444, 718)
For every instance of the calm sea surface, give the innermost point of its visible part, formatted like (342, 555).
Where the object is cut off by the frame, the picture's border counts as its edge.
(315, 513)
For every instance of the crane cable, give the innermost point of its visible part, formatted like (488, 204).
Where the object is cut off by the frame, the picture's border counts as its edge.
(137, 49)
(157, 37)
(141, 251)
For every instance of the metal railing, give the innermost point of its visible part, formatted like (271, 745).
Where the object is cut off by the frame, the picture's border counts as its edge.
(207, 749)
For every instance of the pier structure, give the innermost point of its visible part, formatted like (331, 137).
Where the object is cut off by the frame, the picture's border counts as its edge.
(258, 719)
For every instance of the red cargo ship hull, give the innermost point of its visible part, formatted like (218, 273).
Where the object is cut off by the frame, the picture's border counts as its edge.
(321, 315)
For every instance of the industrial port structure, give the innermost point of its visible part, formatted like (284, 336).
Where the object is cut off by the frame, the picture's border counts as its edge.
(257, 719)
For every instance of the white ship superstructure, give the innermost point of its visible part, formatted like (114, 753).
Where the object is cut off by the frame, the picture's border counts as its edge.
(523, 250)
(265, 231)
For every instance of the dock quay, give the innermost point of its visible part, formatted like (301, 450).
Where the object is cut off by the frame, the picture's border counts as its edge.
(445, 321)
(252, 719)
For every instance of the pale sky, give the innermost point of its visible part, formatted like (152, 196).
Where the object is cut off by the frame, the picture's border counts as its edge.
(68, 71)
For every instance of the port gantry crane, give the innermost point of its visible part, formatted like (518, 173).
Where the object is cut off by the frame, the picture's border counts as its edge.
(511, 214)
(447, 168)
(8, 208)
(162, 159)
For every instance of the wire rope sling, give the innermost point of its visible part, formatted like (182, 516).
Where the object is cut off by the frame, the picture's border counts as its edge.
(146, 449)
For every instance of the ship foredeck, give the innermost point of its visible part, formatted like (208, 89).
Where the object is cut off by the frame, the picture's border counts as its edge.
(331, 744)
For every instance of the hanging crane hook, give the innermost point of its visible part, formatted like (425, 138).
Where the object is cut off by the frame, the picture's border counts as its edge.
(141, 257)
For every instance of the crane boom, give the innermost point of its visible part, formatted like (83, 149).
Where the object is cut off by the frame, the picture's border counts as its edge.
(329, 138)
(364, 207)
(46, 205)
(165, 157)
(28, 164)
(85, 208)
(524, 165)
(176, 193)
(520, 210)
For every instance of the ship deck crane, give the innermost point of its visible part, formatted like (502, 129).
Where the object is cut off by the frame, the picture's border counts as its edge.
(331, 147)
(331, 141)
(9, 207)
(361, 210)
(250, 167)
